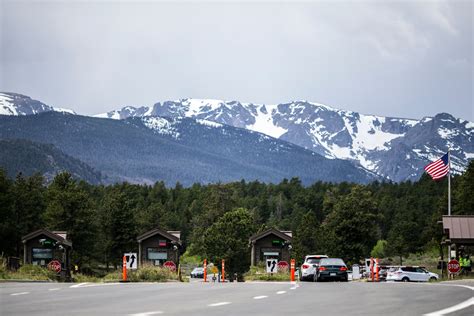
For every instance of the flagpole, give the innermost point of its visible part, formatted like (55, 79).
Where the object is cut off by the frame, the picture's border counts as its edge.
(449, 199)
(449, 182)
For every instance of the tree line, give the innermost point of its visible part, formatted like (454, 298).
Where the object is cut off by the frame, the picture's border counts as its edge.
(343, 220)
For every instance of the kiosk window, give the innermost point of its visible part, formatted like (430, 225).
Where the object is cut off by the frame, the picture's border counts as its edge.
(155, 254)
(41, 256)
(41, 253)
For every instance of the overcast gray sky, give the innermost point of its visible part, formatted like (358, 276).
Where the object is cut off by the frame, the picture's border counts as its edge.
(397, 58)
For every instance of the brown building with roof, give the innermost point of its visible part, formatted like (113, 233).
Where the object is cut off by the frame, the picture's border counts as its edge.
(459, 230)
(43, 246)
(270, 244)
(157, 246)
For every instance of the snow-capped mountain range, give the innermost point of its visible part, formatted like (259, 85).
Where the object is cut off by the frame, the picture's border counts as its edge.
(18, 104)
(395, 148)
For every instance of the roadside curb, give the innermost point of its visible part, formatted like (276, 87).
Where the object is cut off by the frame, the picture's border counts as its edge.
(29, 281)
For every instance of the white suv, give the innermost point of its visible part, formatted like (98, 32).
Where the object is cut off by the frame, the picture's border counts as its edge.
(406, 274)
(309, 267)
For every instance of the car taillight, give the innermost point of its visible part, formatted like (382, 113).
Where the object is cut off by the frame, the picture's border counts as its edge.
(305, 266)
(322, 268)
(343, 269)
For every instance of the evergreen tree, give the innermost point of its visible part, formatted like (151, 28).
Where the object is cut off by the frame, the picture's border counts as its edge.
(228, 238)
(305, 239)
(118, 226)
(8, 243)
(464, 192)
(28, 207)
(351, 230)
(69, 208)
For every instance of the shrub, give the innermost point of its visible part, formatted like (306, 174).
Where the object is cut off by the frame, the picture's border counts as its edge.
(80, 278)
(30, 272)
(144, 274)
(258, 273)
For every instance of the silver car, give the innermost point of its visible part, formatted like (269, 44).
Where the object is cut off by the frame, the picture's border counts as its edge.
(309, 267)
(407, 274)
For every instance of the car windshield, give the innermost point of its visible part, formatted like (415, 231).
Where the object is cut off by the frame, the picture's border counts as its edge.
(393, 269)
(198, 269)
(313, 260)
(332, 262)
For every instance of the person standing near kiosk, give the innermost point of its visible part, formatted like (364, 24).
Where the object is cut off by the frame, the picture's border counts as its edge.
(467, 264)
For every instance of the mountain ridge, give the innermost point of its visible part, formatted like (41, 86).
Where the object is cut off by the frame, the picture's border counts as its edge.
(382, 145)
(150, 149)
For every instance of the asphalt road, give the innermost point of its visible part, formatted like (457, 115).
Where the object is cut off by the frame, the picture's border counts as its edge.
(196, 298)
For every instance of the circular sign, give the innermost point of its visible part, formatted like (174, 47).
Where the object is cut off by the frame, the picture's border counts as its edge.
(453, 266)
(170, 265)
(55, 265)
(282, 266)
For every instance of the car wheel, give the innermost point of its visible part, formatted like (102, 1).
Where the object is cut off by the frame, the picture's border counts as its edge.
(405, 279)
(432, 279)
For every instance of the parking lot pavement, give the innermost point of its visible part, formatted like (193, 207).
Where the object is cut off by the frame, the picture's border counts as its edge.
(256, 298)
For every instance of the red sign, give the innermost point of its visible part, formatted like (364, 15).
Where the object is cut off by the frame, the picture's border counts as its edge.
(282, 266)
(453, 266)
(55, 265)
(170, 265)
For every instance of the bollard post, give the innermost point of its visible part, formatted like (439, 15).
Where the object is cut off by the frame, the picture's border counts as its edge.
(292, 270)
(223, 270)
(205, 270)
(124, 269)
(372, 269)
(377, 269)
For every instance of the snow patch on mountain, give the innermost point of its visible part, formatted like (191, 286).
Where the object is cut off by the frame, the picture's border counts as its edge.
(6, 106)
(161, 126)
(64, 110)
(264, 122)
(209, 123)
(197, 106)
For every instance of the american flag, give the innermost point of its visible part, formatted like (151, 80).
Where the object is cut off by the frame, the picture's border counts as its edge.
(439, 168)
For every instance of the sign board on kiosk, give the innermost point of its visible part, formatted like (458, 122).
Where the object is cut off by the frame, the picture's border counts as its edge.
(131, 259)
(272, 265)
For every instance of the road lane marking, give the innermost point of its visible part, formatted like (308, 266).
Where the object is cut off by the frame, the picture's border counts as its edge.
(147, 313)
(453, 309)
(55, 289)
(81, 285)
(281, 292)
(460, 285)
(21, 293)
(78, 285)
(218, 304)
(259, 297)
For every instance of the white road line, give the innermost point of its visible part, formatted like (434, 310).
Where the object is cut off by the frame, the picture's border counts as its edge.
(81, 285)
(454, 308)
(55, 289)
(281, 292)
(218, 304)
(21, 293)
(78, 285)
(147, 313)
(259, 297)
(460, 285)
